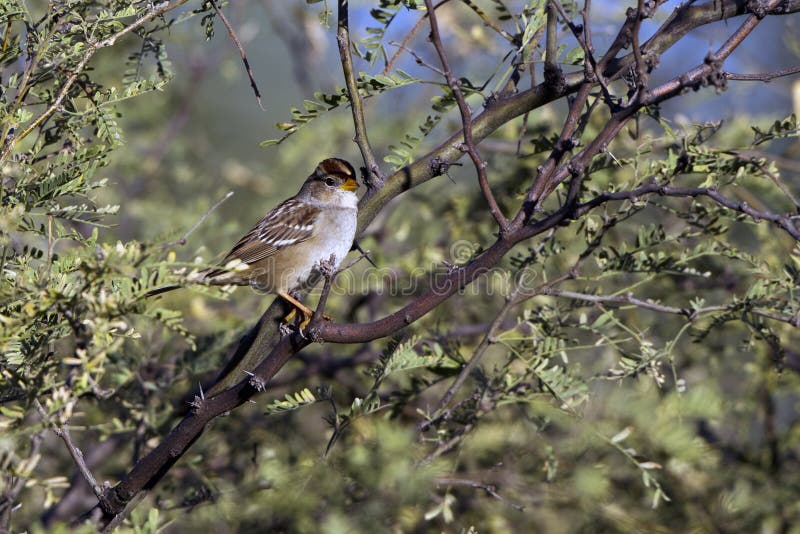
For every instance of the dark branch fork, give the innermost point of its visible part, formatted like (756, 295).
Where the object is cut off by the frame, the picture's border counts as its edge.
(273, 353)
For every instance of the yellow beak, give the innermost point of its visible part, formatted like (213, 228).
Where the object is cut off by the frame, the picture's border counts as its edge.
(350, 184)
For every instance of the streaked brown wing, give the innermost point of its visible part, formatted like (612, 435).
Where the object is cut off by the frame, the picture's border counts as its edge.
(291, 222)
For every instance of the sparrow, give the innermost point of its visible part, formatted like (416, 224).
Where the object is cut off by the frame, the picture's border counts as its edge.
(284, 249)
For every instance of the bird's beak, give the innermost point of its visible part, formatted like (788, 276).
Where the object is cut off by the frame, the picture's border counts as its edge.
(350, 184)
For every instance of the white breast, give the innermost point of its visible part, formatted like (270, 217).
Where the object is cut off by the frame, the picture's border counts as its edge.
(337, 231)
(334, 232)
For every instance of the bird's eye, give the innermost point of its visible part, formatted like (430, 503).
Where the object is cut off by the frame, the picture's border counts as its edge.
(330, 181)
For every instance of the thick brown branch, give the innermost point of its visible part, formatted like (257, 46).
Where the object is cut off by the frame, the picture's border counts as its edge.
(154, 465)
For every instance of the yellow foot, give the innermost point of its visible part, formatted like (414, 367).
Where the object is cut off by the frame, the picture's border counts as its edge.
(305, 311)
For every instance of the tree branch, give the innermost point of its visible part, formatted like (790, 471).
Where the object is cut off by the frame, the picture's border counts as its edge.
(374, 177)
(488, 488)
(262, 344)
(764, 76)
(62, 431)
(466, 121)
(783, 221)
(692, 314)
(238, 44)
(157, 11)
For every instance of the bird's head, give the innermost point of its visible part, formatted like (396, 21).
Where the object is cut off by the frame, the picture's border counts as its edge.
(333, 181)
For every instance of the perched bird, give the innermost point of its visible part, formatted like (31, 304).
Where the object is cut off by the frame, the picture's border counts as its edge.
(281, 252)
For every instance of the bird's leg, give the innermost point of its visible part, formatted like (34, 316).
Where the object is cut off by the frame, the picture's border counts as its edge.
(307, 312)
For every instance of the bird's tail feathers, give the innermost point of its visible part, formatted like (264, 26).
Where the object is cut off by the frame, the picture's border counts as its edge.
(162, 289)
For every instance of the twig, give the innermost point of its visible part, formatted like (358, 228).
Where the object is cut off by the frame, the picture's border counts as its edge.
(62, 431)
(421, 62)
(329, 275)
(11, 492)
(487, 340)
(404, 44)
(764, 76)
(587, 29)
(241, 52)
(714, 61)
(466, 121)
(375, 177)
(551, 68)
(590, 65)
(364, 256)
(545, 181)
(488, 21)
(691, 314)
(195, 226)
(641, 70)
(91, 50)
(630, 299)
(519, 295)
(771, 175)
(707, 73)
(783, 221)
(490, 489)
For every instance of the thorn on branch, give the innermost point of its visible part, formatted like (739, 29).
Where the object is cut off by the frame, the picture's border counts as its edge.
(575, 168)
(649, 8)
(327, 268)
(717, 76)
(690, 314)
(554, 78)
(196, 404)
(757, 8)
(438, 166)
(314, 334)
(284, 329)
(565, 145)
(257, 383)
(651, 60)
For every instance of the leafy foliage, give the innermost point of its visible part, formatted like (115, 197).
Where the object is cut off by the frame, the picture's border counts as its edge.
(70, 301)
(368, 85)
(631, 369)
